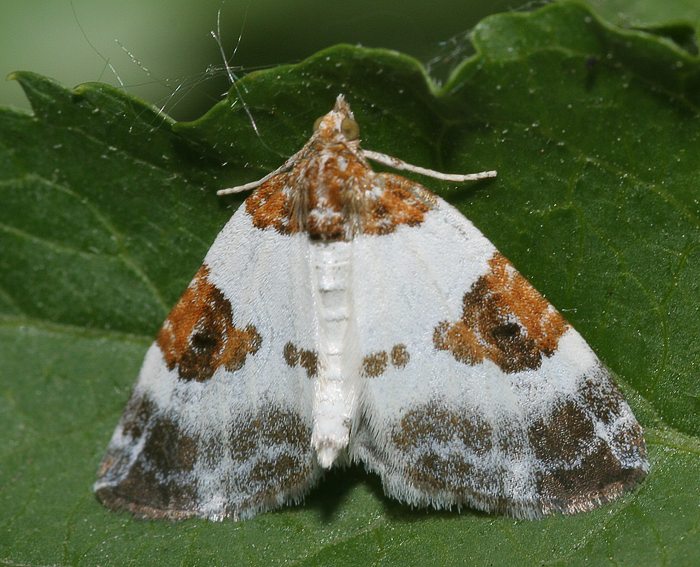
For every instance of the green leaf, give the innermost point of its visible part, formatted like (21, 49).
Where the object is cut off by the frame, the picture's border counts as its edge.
(109, 207)
(651, 14)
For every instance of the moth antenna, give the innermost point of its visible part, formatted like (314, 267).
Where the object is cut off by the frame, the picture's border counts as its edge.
(396, 163)
(253, 184)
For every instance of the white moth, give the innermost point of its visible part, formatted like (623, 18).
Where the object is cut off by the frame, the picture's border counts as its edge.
(344, 315)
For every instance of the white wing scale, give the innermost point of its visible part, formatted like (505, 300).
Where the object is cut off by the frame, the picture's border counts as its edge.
(442, 432)
(236, 442)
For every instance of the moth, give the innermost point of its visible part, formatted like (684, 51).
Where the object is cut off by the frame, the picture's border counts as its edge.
(347, 316)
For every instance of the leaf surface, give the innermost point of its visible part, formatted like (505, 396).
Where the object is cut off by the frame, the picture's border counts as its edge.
(108, 209)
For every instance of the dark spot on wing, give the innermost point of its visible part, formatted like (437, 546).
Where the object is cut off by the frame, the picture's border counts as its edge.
(199, 335)
(505, 320)
(564, 434)
(307, 359)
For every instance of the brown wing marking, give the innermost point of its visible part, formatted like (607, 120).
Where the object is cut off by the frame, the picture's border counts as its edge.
(505, 320)
(268, 451)
(199, 335)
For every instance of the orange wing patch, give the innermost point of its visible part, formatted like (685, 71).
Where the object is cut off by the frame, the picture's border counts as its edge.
(199, 336)
(271, 206)
(334, 195)
(395, 205)
(504, 320)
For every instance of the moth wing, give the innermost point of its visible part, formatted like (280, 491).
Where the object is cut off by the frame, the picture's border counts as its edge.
(219, 423)
(474, 390)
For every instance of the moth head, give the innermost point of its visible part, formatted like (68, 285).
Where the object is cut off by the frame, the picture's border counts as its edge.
(339, 125)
